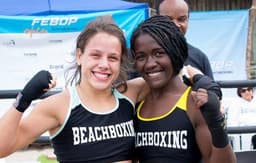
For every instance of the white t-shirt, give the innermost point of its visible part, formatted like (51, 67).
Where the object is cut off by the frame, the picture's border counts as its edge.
(242, 113)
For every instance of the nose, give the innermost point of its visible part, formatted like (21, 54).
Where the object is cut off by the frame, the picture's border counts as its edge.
(150, 63)
(103, 63)
(177, 23)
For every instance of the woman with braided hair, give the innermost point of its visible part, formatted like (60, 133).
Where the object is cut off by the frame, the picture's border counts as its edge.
(170, 127)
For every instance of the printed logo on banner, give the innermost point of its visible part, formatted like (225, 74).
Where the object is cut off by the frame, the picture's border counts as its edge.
(30, 54)
(31, 31)
(9, 43)
(54, 21)
(56, 67)
(55, 41)
(222, 67)
(52, 24)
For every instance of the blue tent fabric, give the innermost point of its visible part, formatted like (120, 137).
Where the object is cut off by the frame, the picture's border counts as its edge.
(88, 6)
(26, 7)
(57, 7)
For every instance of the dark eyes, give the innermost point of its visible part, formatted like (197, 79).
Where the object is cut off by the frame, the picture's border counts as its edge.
(180, 19)
(95, 55)
(140, 56)
(110, 57)
(113, 58)
(159, 53)
(144, 56)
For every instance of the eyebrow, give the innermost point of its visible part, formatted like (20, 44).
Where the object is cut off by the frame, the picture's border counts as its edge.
(100, 51)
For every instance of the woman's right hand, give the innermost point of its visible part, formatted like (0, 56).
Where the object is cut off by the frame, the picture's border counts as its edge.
(35, 88)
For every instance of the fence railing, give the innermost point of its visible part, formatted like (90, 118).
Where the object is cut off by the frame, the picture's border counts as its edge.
(8, 94)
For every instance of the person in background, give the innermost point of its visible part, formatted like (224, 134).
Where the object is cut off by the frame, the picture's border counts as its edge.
(170, 125)
(245, 93)
(254, 142)
(242, 111)
(178, 11)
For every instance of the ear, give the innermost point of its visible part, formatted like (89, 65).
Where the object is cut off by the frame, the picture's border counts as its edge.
(78, 56)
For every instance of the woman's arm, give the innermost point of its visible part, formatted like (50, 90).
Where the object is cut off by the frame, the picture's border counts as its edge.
(210, 129)
(199, 80)
(137, 89)
(19, 131)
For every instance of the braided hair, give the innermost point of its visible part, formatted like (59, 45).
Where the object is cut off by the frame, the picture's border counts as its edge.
(167, 35)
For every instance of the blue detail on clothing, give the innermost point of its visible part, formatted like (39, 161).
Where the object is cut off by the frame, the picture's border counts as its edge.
(96, 137)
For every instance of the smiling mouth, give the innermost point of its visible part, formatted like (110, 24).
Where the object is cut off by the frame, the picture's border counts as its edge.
(153, 74)
(101, 76)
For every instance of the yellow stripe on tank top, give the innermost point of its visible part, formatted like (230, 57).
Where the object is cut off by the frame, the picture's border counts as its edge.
(181, 103)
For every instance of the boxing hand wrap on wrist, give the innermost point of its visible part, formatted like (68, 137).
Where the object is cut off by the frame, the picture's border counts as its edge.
(20, 103)
(203, 81)
(215, 121)
(219, 137)
(33, 90)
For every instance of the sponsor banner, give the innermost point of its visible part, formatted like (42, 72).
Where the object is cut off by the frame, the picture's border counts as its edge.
(64, 23)
(222, 35)
(31, 43)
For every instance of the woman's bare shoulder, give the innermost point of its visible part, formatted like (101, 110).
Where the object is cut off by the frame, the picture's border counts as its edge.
(137, 88)
(56, 104)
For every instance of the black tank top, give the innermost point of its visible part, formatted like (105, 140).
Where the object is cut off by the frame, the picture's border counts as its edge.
(169, 138)
(87, 136)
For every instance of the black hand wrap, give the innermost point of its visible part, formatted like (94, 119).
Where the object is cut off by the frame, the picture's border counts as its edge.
(203, 81)
(211, 110)
(33, 90)
(186, 80)
(215, 120)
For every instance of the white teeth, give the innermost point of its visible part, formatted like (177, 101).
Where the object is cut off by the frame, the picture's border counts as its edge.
(153, 74)
(100, 75)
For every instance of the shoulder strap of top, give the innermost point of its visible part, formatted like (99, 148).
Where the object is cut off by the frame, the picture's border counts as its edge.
(119, 95)
(182, 102)
(74, 98)
(73, 102)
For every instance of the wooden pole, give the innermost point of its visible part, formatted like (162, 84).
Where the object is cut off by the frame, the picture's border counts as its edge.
(250, 56)
(253, 3)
